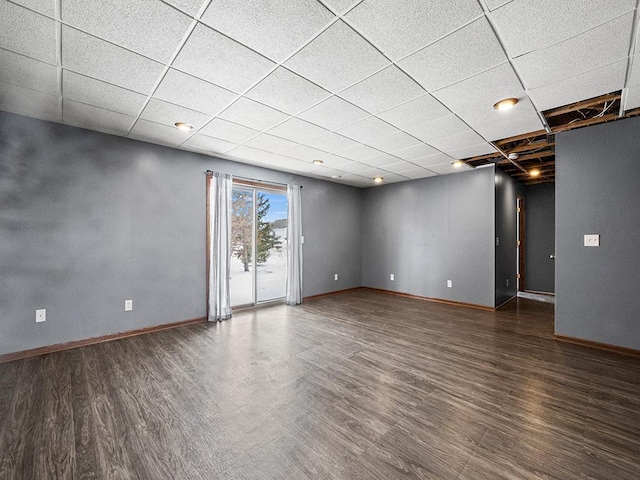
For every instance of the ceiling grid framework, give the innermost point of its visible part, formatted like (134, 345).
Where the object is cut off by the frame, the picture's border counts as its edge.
(398, 89)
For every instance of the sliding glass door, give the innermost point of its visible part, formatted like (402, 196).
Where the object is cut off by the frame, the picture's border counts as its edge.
(258, 244)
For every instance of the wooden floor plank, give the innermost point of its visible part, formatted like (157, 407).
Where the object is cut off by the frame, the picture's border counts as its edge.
(361, 385)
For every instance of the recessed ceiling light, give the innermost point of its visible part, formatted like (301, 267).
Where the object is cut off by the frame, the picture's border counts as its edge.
(336, 176)
(183, 126)
(378, 179)
(318, 162)
(534, 173)
(457, 164)
(505, 104)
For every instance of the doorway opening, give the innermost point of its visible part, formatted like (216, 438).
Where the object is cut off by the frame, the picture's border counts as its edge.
(258, 244)
(520, 244)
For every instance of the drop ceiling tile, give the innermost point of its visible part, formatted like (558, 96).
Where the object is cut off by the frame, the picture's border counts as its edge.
(191, 92)
(471, 151)
(207, 145)
(334, 161)
(593, 49)
(416, 173)
(420, 22)
(381, 160)
(400, 167)
(482, 91)
(493, 4)
(587, 85)
(211, 56)
(632, 98)
(304, 153)
(368, 129)
(90, 115)
(359, 152)
(157, 133)
(417, 151)
(472, 100)
(275, 28)
(355, 180)
(253, 114)
(229, 131)
(422, 109)
(434, 159)
(396, 141)
(466, 52)
(341, 6)
(280, 162)
(634, 78)
(393, 178)
(447, 167)
(493, 129)
(100, 94)
(269, 143)
(380, 172)
(191, 7)
(46, 7)
(243, 153)
(287, 92)
(456, 141)
(168, 114)
(28, 33)
(28, 73)
(332, 142)
(354, 167)
(149, 27)
(95, 128)
(31, 103)
(438, 128)
(325, 172)
(554, 21)
(337, 58)
(383, 90)
(96, 58)
(297, 130)
(333, 113)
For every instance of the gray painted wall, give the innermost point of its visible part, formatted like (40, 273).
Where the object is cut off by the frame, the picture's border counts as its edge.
(540, 233)
(598, 288)
(429, 231)
(88, 220)
(506, 191)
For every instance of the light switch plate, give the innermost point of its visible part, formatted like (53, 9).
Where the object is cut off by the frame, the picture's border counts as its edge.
(41, 315)
(128, 305)
(592, 240)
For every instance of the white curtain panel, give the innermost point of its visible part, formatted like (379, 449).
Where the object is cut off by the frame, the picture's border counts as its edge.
(219, 247)
(294, 246)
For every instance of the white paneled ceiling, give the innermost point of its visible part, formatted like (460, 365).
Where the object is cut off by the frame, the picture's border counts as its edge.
(371, 87)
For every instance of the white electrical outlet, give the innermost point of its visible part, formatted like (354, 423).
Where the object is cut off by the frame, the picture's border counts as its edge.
(592, 240)
(392, 277)
(449, 284)
(335, 276)
(41, 315)
(507, 282)
(128, 305)
(497, 241)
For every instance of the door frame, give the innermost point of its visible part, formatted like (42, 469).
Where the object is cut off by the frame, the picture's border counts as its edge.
(521, 242)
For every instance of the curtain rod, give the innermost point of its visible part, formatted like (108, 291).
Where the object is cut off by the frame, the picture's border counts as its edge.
(210, 172)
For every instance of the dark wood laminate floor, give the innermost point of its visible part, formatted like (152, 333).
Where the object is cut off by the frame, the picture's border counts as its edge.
(361, 385)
